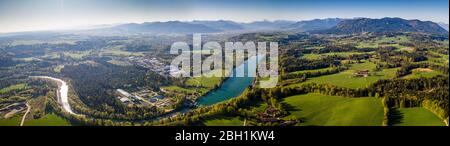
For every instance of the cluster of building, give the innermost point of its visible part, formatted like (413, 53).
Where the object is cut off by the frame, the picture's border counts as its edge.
(127, 98)
(273, 115)
(144, 97)
(269, 115)
(151, 63)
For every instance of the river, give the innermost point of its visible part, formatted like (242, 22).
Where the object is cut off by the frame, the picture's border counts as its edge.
(233, 86)
(62, 93)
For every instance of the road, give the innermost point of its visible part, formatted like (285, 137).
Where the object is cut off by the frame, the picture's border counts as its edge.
(25, 115)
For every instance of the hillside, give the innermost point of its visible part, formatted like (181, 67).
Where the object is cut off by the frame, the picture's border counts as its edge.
(223, 25)
(316, 24)
(166, 27)
(444, 25)
(385, 25)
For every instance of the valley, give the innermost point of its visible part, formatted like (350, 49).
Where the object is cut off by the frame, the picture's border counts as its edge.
(330, 74)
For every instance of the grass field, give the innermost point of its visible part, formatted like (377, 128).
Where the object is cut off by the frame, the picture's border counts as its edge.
(235, 121)
(48, 120)
(418, 73)
(13, 88)
(318, 56)
(346, 78)
(375, 45)
(177, 89)
(324, 110)
(14, 121)
(384, 41)
(441, 60)
(418, 117)
(198, 85)
(313, 70)
(208, 82)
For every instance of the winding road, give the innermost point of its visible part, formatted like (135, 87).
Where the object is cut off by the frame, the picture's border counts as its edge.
(25, 115)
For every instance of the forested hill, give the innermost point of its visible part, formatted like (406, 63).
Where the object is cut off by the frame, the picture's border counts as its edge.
(385, 25)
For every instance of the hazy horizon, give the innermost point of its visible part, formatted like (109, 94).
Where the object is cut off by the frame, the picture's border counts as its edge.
(29, 15)
(82, 27)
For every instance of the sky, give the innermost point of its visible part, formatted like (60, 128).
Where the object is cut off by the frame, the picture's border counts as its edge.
(30, 15)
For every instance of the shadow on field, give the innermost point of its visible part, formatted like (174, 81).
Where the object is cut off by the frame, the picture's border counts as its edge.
(395, 117)
(289, 108)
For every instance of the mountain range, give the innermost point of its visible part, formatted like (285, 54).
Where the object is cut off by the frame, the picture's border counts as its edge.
(385, 25)
(316, 24)
(166, 27)
(329, 26)
(319, 26)
(444, 25)
(225, 25)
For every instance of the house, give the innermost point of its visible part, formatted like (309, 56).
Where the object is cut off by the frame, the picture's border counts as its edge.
(361, 73)
(124, 100)
(269, 115)
(123, 92)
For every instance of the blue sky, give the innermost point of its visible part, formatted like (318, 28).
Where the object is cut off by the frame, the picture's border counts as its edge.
(26, 15)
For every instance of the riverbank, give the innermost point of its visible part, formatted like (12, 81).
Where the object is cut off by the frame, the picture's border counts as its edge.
(62, 93)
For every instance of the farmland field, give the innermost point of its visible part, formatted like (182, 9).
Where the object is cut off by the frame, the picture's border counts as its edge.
(208, 82)
(234, 121)
(47, 120)
(427, 73)
(346, 79)
(318, 56)
(13, 88)
(385, 41)
(323, 110)
(14, 121)
(418, 117)
(177, 89)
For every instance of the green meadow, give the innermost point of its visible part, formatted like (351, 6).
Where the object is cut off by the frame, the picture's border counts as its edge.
(208, 82)
(319, 56)
(346, 78)
(313, 70)
(13, 88)
(324, 110)
(14, 121)
(177, 89)
(47, 120)
(438, 58)
(418, 73)
(418, 116)
(232, 121)
(384, 41)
